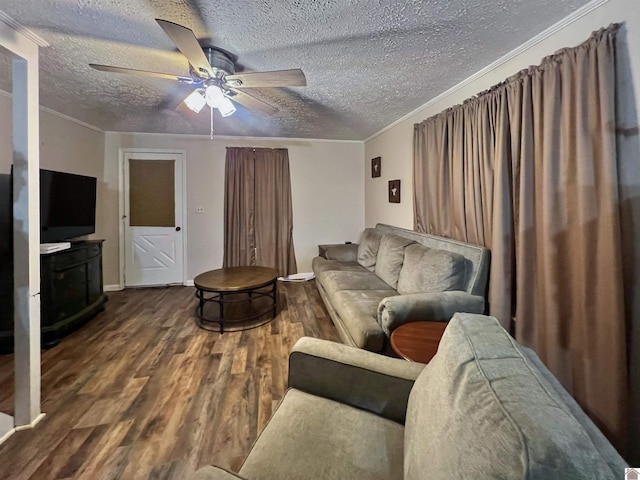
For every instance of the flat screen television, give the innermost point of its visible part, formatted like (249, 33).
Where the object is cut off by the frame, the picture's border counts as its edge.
(67, 206)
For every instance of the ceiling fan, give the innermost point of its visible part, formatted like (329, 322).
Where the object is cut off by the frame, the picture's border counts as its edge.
(212, 73)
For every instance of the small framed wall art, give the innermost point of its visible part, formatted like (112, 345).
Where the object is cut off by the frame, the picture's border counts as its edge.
(394, 191)
(376, 167)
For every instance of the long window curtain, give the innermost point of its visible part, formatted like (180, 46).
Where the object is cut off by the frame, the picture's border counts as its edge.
(258, 221)
(529, 169)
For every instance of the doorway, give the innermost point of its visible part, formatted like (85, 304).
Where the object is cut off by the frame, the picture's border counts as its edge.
(153, 218)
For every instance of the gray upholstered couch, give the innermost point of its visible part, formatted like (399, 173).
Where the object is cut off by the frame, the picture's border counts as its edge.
(394, 276)
(484, 407)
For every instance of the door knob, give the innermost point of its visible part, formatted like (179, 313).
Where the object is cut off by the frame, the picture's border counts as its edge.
(178, 229)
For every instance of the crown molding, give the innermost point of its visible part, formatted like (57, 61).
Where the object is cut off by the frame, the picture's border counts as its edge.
(58, 114)
(556, 27)
(238, 138)
(18, 27)
(71, 119)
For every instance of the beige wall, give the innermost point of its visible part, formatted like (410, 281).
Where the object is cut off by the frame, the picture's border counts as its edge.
(395, 146)
(65, 146)
(326, 176)
(326, 186)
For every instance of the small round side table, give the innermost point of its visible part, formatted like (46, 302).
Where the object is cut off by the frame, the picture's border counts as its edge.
(417, 341)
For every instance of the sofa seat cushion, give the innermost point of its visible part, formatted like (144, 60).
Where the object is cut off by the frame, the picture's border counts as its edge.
(360, 307)
(428, 270)
(390, 258)
(320, 264)
(310, 437)
(368, 248)
(486, 409)
(335, 281)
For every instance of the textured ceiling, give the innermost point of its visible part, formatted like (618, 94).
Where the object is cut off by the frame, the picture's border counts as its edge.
(367, 62)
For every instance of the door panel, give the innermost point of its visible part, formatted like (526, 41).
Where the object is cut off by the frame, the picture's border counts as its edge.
(152, 193)
(153, 219)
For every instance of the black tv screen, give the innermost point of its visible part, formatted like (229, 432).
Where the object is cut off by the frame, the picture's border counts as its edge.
(67, 206)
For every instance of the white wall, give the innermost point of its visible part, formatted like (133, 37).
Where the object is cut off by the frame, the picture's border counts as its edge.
(326, 187)
(395, 145)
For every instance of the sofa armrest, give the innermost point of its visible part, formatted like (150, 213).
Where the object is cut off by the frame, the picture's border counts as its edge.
(343, 252)
(440, 306)
(352, 376)
(211, 472)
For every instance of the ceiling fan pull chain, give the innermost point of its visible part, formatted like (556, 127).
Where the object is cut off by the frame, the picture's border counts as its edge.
(211, 137)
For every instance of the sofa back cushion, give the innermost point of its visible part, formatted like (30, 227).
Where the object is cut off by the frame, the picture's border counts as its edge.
(390, 258)
(368, 248)
(428, 270)
(480, 410)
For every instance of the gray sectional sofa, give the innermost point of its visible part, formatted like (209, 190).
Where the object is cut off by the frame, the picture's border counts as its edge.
(394, 276)
(484, 407)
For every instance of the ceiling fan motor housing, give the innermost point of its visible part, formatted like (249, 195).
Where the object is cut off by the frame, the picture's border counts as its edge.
(220, 61)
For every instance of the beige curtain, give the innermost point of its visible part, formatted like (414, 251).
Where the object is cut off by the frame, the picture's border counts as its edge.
(462, 186)
(529, 169)
(569, 305)
(274, 214)
(239, 204)
(258, 221)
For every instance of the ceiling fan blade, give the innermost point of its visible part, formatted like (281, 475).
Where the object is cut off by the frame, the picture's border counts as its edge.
(187, 43)
(143, 73)
(252, 103)
(277, 78)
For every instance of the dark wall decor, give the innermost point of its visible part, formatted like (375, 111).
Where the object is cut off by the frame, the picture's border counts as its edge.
(376, 167)
(394, 191)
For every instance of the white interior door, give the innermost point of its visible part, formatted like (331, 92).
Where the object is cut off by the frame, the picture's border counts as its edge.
(153, 219)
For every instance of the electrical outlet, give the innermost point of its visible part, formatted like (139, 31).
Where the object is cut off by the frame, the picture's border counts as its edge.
(199, 209)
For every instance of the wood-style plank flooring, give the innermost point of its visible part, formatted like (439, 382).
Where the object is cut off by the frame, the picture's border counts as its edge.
(142, 392)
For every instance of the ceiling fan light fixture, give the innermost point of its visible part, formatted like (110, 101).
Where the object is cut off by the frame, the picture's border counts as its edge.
(226, 107)
(216, 99)
(214, 96)
(195, 101)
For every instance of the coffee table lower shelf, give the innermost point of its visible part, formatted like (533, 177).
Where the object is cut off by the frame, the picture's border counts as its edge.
(417, 341)
(235, 287)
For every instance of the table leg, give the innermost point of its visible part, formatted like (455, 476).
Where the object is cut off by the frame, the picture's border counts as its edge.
(221, 313)
(275, 298)
(201, 303)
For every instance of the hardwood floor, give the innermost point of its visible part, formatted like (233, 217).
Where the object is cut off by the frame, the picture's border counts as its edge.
(141, 392)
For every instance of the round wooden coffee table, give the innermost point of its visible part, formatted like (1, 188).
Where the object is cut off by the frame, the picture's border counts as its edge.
(417, 341)
(232, 286)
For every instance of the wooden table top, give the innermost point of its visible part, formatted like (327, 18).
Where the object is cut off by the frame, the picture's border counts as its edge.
(233, 279)
(417, 341)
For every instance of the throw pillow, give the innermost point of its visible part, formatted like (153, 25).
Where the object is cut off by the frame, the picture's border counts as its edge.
(368, 248)
(430, 270)
(390, 258)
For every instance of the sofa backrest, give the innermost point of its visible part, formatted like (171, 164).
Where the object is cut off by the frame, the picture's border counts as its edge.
(476, 256)
(485, 407)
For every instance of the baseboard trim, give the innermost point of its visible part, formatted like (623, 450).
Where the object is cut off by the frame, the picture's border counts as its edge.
(29, 426)
(113, 288)
(6, 436)
(189, 283)
(7, 427)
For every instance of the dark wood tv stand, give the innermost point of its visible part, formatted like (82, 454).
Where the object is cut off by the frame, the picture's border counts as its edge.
(71, 292)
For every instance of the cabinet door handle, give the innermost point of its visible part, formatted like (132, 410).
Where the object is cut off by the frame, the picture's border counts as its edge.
(178, 229)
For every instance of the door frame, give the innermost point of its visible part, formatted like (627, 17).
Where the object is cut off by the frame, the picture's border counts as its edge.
(21, 46)
(122, 152)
